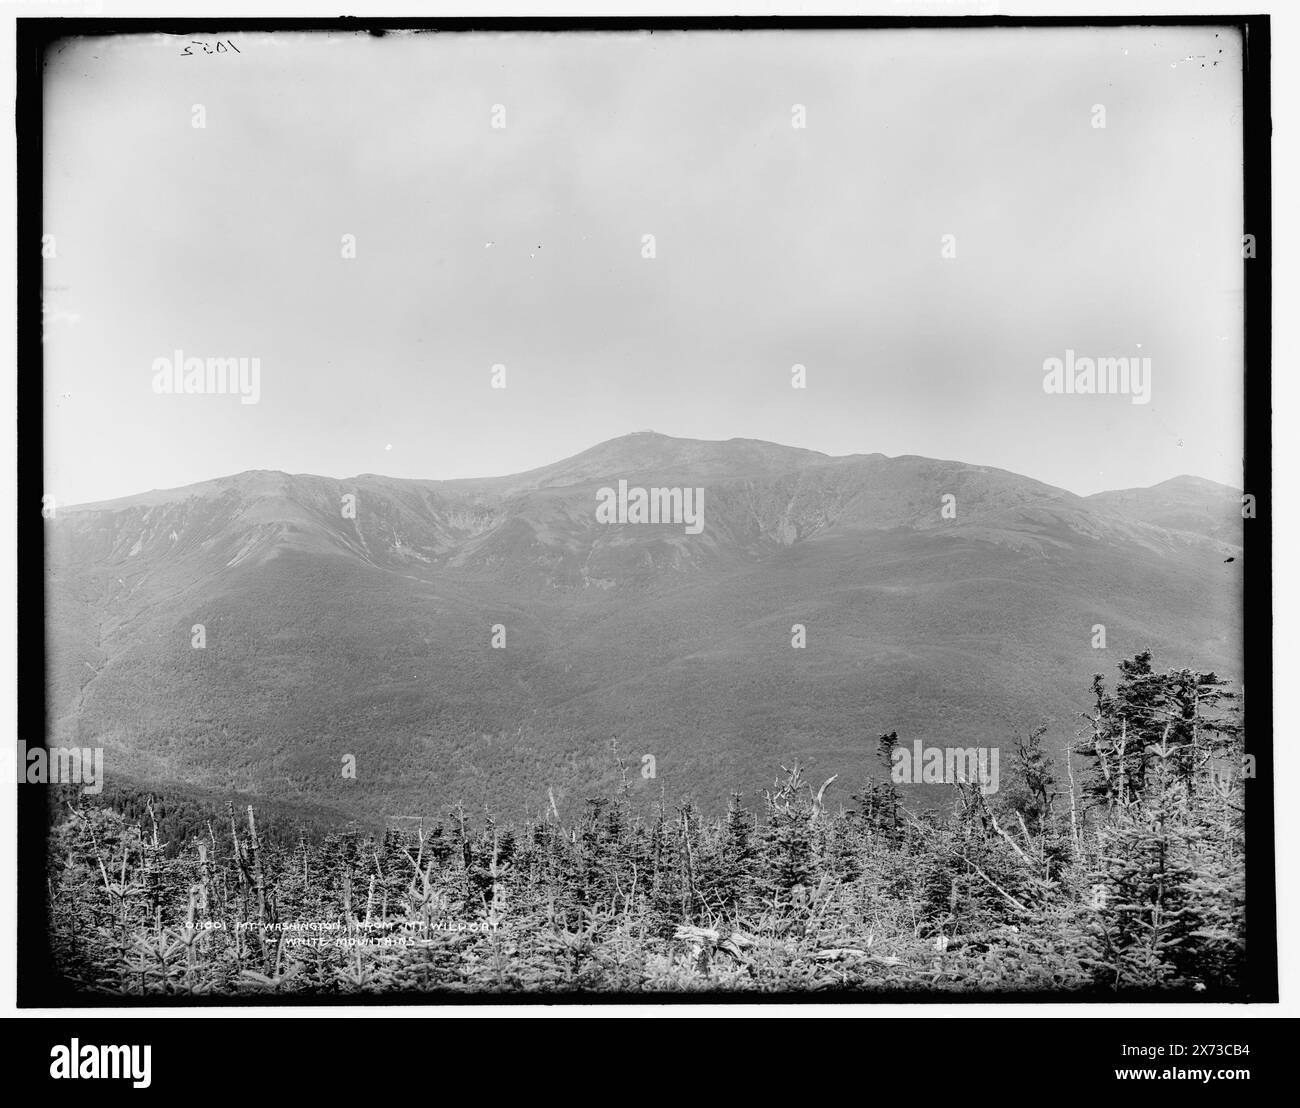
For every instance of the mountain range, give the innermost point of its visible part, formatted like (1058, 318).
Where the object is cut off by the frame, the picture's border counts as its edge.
(489, 641)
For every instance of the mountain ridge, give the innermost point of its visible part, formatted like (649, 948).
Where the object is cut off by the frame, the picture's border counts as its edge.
(114, 502)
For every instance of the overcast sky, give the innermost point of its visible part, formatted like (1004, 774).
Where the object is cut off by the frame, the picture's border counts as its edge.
(522, 246)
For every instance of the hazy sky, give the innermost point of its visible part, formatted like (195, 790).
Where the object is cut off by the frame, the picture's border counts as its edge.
(775, 245)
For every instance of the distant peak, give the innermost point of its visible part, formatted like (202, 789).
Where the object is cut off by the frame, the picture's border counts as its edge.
(1188, 481)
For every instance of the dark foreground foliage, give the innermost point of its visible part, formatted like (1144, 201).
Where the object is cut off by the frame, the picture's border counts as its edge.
(1128, 880)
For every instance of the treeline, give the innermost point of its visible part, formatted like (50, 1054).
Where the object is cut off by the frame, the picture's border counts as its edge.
(1120, 870)
(181, 814)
